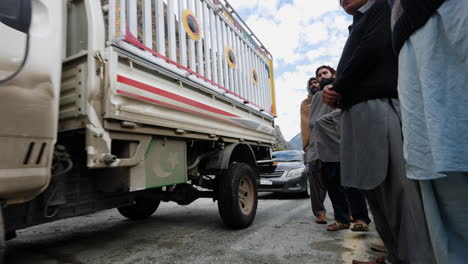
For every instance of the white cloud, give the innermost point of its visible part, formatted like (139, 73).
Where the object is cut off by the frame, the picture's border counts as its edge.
(257, 6)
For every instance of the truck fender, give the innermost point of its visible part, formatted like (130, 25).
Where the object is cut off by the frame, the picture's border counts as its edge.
(236, 152)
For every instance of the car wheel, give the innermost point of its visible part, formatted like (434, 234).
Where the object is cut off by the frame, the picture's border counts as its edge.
(142, 208)
(306, 193)
(237, 196)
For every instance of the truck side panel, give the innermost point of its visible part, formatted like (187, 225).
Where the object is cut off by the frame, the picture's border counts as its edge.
(140, 94)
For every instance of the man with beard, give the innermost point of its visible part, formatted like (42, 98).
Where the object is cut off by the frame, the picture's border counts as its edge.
(312, 87)
(318, 184)
(325, 170)
(326, 142)
(371, 139)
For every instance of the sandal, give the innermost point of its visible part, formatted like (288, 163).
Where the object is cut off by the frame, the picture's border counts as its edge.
(337, 226)
(360, 227)
(321, 219)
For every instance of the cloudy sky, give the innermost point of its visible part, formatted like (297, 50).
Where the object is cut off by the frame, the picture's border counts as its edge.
(301, 35)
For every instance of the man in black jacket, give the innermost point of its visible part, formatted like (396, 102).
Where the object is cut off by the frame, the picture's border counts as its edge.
(371, 140)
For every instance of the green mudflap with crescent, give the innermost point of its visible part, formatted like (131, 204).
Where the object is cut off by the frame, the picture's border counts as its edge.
(165, 162)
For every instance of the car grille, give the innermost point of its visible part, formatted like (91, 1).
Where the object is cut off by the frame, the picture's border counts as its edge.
(274, 174)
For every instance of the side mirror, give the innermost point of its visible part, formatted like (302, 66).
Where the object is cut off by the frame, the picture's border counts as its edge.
(16, 14)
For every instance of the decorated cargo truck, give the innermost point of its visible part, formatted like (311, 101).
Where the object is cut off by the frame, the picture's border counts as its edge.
(127, 103)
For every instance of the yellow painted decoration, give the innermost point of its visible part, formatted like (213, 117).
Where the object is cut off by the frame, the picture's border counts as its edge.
(231, 57)
(272, 87)
(191, 24)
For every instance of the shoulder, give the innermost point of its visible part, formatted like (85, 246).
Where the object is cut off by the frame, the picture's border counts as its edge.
(306, 100)
(380, 6)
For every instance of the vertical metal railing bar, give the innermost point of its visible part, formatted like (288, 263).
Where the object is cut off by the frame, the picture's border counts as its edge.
(123, 17)
(160, 27)
(199, 43)
(229, 43)
(192, 63)
(248, 67)
(221, 60)
(239, 71)
(246, 72)
(171, 31)
(147, 25)
(261, 66)
(182, 36)
(258, 89)
(222, 53)
(255, 88)
(112, 20)
(252, 86)
(261, 83)
(132, 17)
(214, 46)
(230, 69)
(245, 75)
(270, 102)
(242, 73)
(265, 85)
(207, 40)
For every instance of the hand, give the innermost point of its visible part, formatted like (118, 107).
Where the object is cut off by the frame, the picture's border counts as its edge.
(330, 97)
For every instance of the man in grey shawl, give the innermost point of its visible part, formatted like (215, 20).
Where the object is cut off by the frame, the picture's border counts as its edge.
(318, 184)
(323, 151)
(371, 138)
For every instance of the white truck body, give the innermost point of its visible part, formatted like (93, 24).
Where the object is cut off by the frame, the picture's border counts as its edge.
(143, 98)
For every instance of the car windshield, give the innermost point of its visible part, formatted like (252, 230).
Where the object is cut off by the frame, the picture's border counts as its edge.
(288, 155)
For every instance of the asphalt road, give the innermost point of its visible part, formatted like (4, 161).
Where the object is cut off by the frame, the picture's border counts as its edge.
(283, 232)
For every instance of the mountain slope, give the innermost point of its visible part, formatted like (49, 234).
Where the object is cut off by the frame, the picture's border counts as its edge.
(281, 143)
(296, 142)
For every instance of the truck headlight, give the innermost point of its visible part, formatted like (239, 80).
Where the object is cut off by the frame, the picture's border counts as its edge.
(295, 173)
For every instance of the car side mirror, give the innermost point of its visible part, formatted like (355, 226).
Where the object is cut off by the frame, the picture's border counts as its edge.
(16, 14)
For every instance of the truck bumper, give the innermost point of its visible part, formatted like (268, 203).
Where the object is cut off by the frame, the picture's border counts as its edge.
(282, 185)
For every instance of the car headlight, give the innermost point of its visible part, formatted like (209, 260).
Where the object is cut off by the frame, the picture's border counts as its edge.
(295, 173)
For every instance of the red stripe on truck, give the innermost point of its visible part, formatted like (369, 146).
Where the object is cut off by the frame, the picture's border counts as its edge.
(172, 96)
(143, 98)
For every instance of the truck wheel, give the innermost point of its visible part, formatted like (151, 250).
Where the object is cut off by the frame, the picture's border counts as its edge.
(237, 196)
(2, 236)
(142, 208)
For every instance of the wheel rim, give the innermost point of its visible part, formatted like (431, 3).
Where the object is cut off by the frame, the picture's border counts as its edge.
(246, 195)
(308, 186)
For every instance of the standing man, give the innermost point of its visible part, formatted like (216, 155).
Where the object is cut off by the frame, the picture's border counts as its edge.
(371, 138)
(318, 187)
(312, 87)
(434, 115)
(326, 149)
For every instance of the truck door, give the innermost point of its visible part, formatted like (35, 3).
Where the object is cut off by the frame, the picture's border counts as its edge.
(30, 72)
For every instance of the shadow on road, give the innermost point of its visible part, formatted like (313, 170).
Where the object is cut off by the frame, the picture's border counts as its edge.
(279, 196)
